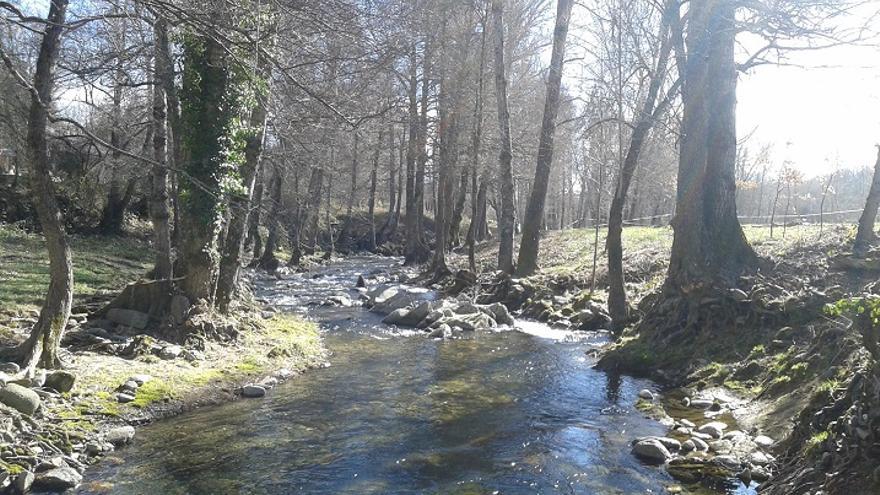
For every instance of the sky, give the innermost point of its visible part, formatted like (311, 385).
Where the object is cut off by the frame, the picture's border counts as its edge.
(823, 113)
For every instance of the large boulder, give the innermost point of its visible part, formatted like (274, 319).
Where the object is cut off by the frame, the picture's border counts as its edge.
(395, 317)
(470, 322)
(499, 313)
(61, 381)
(402, 298)
(129, 318)
(57, 480)
(414, 316)
(23, 400)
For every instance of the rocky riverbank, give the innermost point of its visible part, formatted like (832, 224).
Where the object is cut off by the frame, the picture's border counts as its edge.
(119, 375)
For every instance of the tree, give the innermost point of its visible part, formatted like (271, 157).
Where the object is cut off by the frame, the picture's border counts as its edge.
(159, 186)
(650, 112)
(527, 262)
(709, 246)
(865, 236)
(42, 345)
(505, 175)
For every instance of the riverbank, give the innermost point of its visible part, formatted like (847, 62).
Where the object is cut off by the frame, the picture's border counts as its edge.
(116, 375)
(767, 360)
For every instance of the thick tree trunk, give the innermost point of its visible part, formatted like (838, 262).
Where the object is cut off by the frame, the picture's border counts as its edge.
(709, 247)
(416, 252)
(507, 213)
(42, 345)
(527, 262)
(159, 194)
(208, 115)
(476, 144)
(866, 235)
(239, 203)
(309, 231)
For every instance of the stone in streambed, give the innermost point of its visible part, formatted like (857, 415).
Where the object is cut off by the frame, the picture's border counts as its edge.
(499, 313)
(253, 391)
(395, 317)
(764, 441)
(57, 480)
(120, 435)
(715, 428)
(651, 450)
(23, 400)
(61, 381)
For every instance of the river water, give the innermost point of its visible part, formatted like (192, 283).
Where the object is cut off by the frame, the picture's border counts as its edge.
(397, 413)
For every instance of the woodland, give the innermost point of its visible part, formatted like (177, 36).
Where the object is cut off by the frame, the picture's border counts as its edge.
(576, 164)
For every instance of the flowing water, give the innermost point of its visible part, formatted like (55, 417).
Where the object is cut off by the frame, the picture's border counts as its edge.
(506, 412)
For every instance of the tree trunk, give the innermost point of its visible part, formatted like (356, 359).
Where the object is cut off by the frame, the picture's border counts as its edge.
(476, 144)
(617, 305)
(527, 262)
(256, 208)
(709, 247)
(207, 116)
(866, 235)
(268, 260)
(371, 204)
(159, 195)
(416, 251)
(239, 203)
(458, 210)
(42, 345)
(349, 209)
(507, 213)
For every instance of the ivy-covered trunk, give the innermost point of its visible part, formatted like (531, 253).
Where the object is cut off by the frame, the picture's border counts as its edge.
(207, 115)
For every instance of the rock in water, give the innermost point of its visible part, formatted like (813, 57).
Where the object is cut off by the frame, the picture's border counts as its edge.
(23, 400)
(120, 435)
(360, 282)
(61, 381)
(715, 428)
(57, 480)
(395, 317)
(417, 314)
(651, 450)
(129, 318)
(499, 313)
(253, 391)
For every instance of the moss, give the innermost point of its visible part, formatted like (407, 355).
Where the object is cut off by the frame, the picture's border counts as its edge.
(153, 391)
(815, 441)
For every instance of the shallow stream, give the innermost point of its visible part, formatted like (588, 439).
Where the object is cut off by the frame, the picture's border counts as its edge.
(506, 412)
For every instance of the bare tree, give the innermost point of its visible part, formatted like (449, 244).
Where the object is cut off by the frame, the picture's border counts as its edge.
(865, 236)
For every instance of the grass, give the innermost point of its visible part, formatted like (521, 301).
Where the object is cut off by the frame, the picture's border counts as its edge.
(99, 264)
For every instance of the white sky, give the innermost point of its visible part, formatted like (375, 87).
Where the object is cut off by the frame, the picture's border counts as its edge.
(829, 111)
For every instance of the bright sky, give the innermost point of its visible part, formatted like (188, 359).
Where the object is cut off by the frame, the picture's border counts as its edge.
(828, 111)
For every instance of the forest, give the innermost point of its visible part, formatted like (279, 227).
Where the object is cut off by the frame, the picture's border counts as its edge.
(446, 246)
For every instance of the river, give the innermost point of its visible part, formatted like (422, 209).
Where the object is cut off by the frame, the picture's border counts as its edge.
(396, 413)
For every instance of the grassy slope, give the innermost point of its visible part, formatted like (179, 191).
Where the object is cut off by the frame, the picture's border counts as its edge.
(100, 264)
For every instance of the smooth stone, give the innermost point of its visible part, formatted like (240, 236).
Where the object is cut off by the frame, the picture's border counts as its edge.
(23, 400)
(759, 458)
(646, 394)
(721, 446)
(734, 436)
(395, 317)
(60, 380)
(124, 398)
(415, 315)
(23, 482)
(253, 391)
(651, 450)
(701, 403)
(701, 436)
(688, 446)
(688, 423)
(120, 435)
(499, 313)
(59, 479)
(699, 444)
(714, 428)
(764, 441)
(170, 352)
